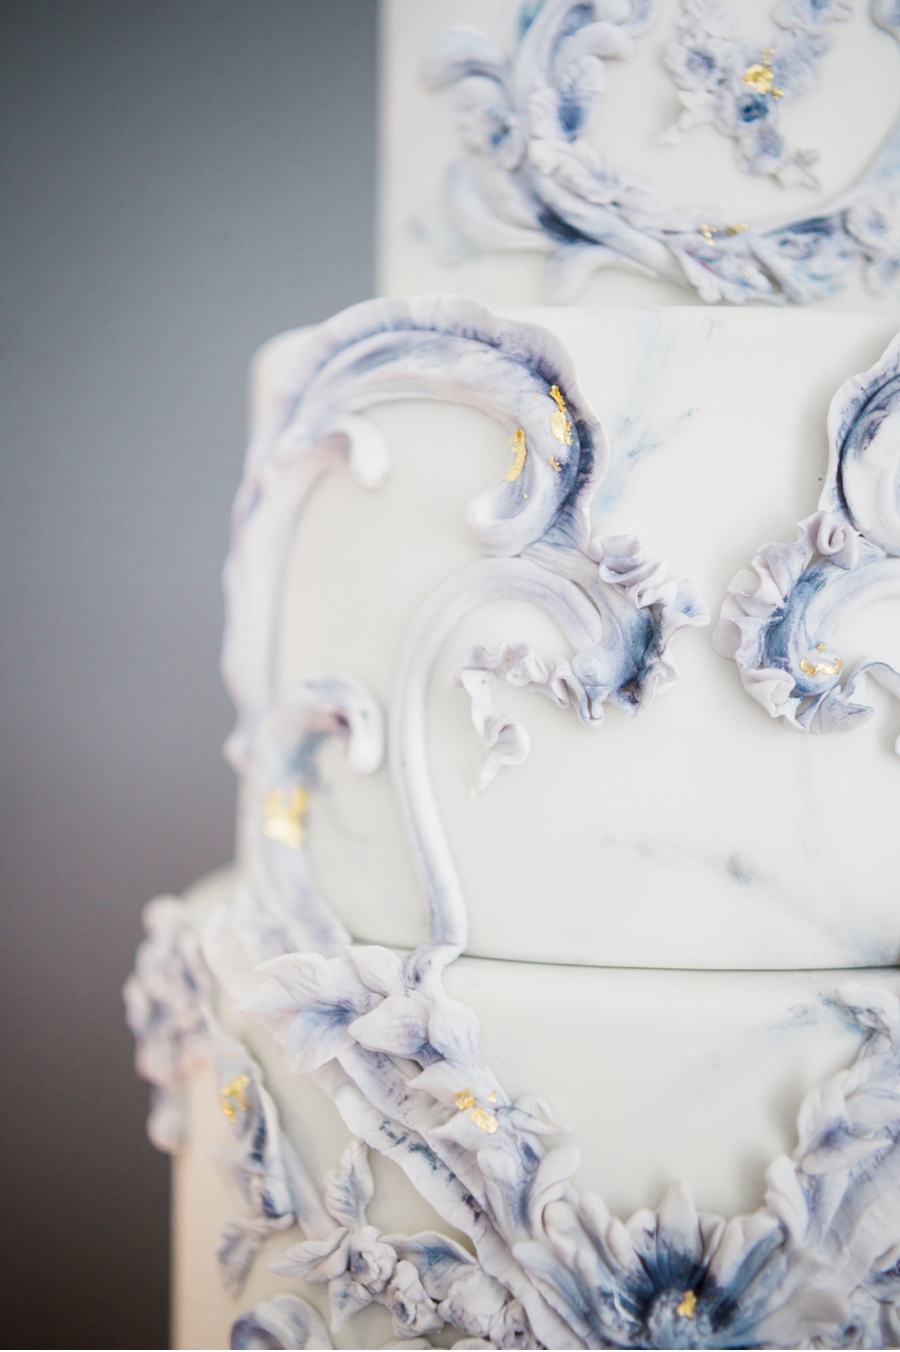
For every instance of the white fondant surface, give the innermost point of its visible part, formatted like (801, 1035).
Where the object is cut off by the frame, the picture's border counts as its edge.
(680, 1075)
(418, 253)
(700, 833)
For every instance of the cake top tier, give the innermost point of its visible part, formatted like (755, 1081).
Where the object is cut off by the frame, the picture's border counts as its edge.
(745, 817)
(641, 151)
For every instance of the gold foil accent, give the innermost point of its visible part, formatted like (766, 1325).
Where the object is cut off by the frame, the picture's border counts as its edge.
(821, 668)
(464, 1099)
(492, 1098)
(554, 463)
(559, 423)
(284, 815)
(519, 450)
(761, 77)
(484, 1120)
(561, 428)
(688, 1307)
(709, 232)
(233, 1097)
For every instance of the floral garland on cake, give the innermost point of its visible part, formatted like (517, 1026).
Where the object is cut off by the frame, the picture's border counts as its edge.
(818, 1265)
(532, 181)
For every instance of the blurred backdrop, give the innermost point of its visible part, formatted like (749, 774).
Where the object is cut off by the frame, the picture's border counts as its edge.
(184, 178)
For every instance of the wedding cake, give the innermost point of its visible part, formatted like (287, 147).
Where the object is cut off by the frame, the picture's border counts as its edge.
(552, 999)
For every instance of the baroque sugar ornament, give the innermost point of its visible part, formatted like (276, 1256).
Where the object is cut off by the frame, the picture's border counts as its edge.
(533, 181)
(540, 1265)
(783, 614)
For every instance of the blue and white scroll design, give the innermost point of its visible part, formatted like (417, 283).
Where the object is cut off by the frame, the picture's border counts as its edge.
(532, 180)
(782, 617)
(610, 601)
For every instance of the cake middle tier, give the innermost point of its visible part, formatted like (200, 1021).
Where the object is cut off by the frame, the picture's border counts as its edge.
(701, 833)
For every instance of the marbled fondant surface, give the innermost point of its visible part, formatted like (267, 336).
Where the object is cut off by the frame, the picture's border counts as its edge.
(699, 834)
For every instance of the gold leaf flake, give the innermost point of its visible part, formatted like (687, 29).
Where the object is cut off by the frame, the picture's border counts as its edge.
(688, 1307)
(519, 450)
(554, 463)
(484, 1120)
(561, 428)
(464, 1099)
(233, 1097)
(559, 423)
(284, 815)
(821, 668)
(761, 77)
(709, 232)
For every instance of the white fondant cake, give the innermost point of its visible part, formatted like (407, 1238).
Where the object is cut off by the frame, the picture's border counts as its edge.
(566, 881)
(662, 1076)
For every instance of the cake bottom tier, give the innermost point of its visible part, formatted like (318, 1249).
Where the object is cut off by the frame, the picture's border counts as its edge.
(661, 1076)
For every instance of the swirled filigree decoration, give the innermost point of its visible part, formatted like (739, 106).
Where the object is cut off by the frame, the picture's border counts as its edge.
(740, 89)
(375, 1029)
(532, 180)
(534, 523)
(782, 616)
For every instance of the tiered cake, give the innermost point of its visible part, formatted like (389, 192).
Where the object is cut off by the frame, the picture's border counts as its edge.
(486, 959)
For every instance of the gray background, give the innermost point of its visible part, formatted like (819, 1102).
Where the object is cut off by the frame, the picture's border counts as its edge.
(184, 178)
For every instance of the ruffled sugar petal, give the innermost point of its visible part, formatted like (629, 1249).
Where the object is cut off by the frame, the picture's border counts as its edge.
(679, 1225)
(438, 1259)
(873, 1008)
(745, 1244)
(551, 1183)
(284, 1321)
(316, 1037)
(372, 1260)
(534, 1115)
(480, 1305)
(453, 1029)
(786, 1199)
(345, 1299)
(315, 1260)
(445, 1080)
(270, 1003)
(412, 1310)
(463, 1129)
(398, 1025)
(380, 970)
(350, 1187)
(310, 978)
(773, 689)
